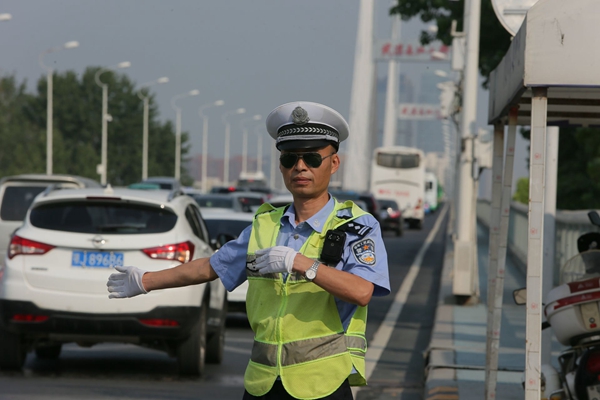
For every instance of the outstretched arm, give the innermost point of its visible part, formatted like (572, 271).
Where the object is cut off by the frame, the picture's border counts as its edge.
(132, 281)
(191, 273)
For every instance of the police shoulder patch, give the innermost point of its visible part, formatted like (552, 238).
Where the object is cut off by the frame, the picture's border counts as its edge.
(364, 251)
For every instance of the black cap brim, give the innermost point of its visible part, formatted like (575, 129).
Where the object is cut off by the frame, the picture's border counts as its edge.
(305, 144)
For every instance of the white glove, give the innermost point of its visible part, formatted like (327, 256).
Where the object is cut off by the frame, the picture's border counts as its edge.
(126, 283)
(275, 259)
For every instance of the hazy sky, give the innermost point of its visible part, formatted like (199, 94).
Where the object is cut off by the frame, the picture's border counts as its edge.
(253, 54)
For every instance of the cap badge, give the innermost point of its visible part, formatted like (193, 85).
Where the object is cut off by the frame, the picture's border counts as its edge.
(300, 116)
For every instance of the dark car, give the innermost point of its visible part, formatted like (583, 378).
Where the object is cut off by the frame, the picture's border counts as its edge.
(363, 197)
(391, 216)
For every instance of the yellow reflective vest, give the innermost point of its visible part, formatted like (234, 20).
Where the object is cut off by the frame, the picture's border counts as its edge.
(298, 333)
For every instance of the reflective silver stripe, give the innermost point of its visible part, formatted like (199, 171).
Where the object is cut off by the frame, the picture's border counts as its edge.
(275, 276)
(356, 343)
(299, 351)
(264, 353)
(312, 349)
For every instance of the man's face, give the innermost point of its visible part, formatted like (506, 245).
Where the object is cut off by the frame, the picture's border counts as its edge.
(305, 181)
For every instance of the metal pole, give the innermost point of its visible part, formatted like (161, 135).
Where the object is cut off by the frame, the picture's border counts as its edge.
(226, 158)
(49, 123)
(204, 153)
(390, 124)
(259, 155)
(245, 151)
(273, 166)
(145, 142)
(465, 247)
(495, 298)
(104, 133)
(356, 176)
(535, 241)
(177, 143)
(552, 134)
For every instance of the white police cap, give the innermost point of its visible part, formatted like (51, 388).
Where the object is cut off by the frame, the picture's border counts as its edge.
(304, 124)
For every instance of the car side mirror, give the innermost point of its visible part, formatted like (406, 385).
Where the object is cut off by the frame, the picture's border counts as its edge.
(520, 296)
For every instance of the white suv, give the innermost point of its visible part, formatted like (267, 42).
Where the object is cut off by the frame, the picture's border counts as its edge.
(53, 286)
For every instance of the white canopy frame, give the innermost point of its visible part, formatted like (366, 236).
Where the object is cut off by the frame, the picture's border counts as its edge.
(550, 73)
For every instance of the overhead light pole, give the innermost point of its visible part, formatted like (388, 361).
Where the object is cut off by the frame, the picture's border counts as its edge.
(217, 103)
(102, 168)
(227, 140)
(194, 92)
(49, 74)
(259, 148)
(144, 97)
(245, 141)
(5, 17)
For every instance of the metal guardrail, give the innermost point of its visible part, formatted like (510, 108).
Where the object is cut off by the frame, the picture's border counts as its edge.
(569, 226)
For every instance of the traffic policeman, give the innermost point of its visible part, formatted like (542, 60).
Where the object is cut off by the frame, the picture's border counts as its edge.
(312, 268)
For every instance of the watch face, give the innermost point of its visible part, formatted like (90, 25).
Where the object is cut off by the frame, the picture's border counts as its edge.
(310, 274)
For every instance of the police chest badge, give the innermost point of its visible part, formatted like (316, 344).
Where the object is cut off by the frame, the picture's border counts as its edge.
(364, 251)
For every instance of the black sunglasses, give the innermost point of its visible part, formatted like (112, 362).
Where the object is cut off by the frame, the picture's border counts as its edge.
(312, 160)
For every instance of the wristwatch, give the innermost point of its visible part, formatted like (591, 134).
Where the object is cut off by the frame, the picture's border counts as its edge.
(311, 273)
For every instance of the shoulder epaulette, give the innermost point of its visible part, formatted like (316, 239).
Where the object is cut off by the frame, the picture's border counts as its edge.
(355, 227)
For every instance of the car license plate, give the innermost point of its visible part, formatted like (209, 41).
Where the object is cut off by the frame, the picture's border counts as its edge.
(96, 259)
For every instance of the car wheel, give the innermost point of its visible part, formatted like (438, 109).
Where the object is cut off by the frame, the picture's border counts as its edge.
(12, 351)
(48, 352)
(216, 343)
(191, 353)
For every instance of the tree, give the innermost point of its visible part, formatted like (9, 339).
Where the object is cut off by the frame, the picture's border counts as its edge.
(22, 143)
(494, 40)
(77, 123)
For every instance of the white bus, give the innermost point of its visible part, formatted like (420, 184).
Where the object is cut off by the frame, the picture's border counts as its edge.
(431, 192)
(398, 173)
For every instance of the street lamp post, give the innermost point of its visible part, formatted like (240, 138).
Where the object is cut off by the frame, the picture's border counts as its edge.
(194, 92)
(5, 17)
(103, 168)
(245, 141)
(217, 103)
(259, 135)
(49, 123)
(227, 134)
(144, 98)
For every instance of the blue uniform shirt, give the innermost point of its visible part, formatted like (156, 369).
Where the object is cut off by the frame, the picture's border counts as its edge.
(230, 261)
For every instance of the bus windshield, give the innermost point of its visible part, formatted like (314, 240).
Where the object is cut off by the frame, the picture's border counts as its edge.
(392, 160)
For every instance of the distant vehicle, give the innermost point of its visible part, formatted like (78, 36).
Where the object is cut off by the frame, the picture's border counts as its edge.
(364, 200)
(431, 192)
(391, 216)
(235, 201)
(230, 224)
(252, 180)
(281, 200)
(53, 290)
(17, 193)
(165, 182)
(398, 173)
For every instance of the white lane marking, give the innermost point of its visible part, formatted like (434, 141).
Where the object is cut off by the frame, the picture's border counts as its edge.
(384, 332)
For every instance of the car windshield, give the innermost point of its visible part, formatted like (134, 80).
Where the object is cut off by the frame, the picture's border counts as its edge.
(388, 204)
(16, 201)
(214, 201)
(230, 227)
(102, 217)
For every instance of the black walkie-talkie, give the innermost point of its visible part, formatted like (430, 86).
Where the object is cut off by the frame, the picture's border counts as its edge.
(333, 247)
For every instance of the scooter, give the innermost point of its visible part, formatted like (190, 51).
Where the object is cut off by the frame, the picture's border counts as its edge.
(572, 312)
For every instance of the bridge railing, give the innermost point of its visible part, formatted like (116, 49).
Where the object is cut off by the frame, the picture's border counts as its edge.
(569, 226)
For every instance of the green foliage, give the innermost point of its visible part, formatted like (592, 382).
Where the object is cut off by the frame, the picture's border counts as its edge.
(77, 109)
(578, 176)
(522, 192)
(494, 39)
